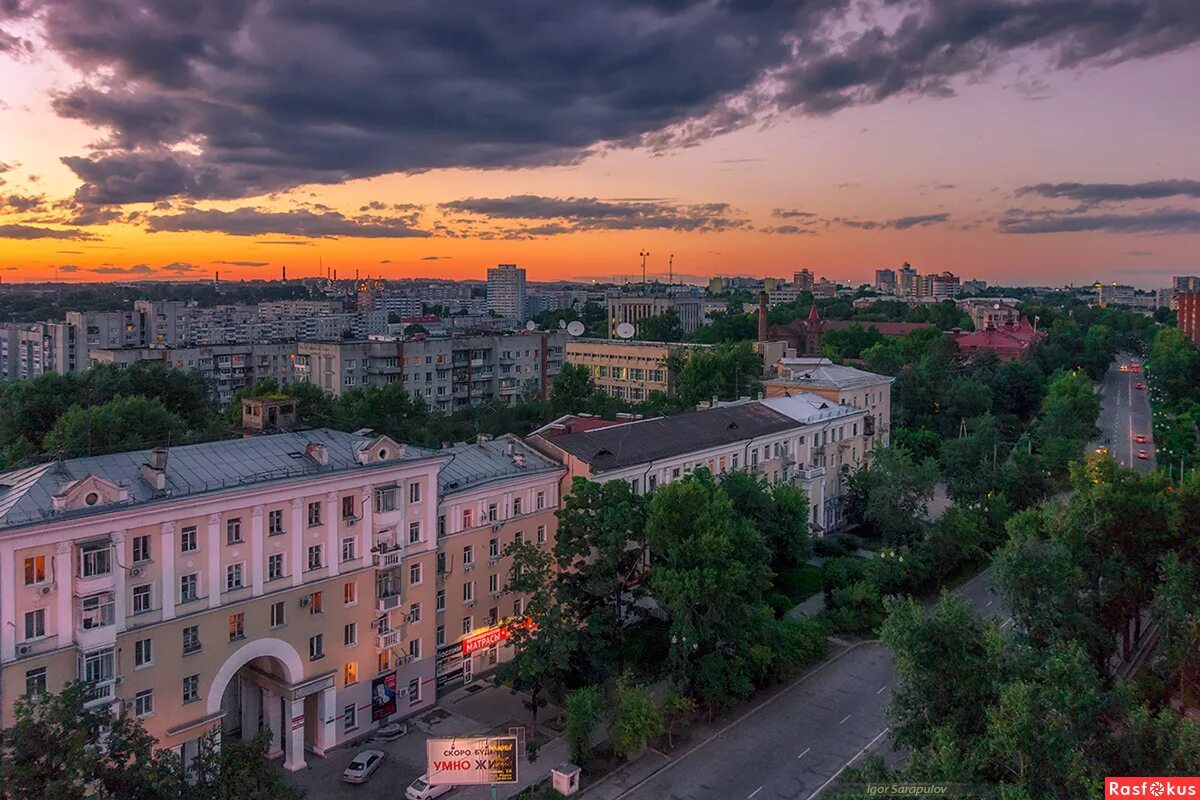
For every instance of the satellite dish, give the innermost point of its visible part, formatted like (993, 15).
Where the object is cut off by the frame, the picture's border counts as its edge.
(562, 323)
(530, 325)
(576, 328)
(625, 331)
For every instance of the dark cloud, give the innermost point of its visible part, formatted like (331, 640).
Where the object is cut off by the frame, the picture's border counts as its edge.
(243, 263)
(22, 204)
(1159, 221)
(1115, 192)
(572, 214)
(788, 230)
(792, 213)
(899, 224)
(237, 98)
(275, 241)
(297, 222)
(435, 258)
(70, 252)
(35, 232)
(136, 269)
(68, 268)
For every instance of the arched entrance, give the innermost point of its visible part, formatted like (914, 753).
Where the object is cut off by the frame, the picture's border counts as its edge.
(255, 687)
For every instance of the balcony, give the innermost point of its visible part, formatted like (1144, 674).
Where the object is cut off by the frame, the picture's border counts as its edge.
(389, 602)
(386, 641)
(100, 693)
(387, 559)
(810, 474)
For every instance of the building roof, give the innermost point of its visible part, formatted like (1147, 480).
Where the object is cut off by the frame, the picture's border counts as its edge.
(808, 408)
(637, 442)
(27, 495)
(475, 464)
(824, 374)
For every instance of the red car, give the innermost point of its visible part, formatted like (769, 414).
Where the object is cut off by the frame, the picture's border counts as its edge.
(1139, 386)
(1142, 455)
(1140, 438)
(1137, 368)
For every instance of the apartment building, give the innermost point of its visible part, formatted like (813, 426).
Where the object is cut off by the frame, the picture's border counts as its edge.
(940, 286)
(635, 308)
(231, 584)
(803, 439)
(627, 370)
(506, 291)
(1189, 316)
(908, 281)
(450, 373)
(492, 493)
(847, 386)
(31, 349)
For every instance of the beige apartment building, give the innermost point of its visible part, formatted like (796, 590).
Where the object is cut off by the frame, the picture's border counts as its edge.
(295, 581)
(846, 386)
(627, 370)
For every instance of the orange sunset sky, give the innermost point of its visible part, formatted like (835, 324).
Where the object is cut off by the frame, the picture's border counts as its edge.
(1003, 140)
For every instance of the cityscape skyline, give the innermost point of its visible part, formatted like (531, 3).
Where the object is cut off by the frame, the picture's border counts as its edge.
(165, 145)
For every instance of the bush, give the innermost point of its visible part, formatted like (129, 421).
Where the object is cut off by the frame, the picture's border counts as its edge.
(795, 644)
(799, 582)
(858, 608)
(834, 545)
(638, 720)
(584, 708)
(780, 604)
(838, 573)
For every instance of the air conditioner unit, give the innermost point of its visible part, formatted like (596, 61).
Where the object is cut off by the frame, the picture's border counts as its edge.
(410, 617)
(495, 527)
(468, 603)
(135, 572)
(127, 705)
(117, 680)
(48, 588)
(304, 601)
(468, 566)
(403, 692)
(24, 649)
(351, 521)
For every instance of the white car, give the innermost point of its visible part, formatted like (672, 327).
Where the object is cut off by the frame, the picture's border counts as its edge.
(421, 789)
(363, 766)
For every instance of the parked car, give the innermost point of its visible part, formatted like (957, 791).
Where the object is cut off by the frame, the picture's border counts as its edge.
(422, 789)
(393, 730)
(1139, 386)
(362, 766)
(1140, 438)
(1143, 455)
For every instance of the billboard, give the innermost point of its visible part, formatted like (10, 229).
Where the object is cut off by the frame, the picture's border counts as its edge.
(383, 696)
(472, 760)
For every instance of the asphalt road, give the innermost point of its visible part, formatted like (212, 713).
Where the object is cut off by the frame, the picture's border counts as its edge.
(795, 746)
(1124, 414)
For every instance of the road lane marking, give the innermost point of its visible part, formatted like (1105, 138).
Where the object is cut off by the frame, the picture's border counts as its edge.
(989, 603)
(843, 722)
(881, 688)
(842, 769)
(802, 755)
(756, 791)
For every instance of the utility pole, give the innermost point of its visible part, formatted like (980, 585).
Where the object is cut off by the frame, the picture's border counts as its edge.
(671, 270)
(644, 254)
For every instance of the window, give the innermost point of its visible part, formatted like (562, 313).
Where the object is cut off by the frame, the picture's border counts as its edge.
(187, 587)
(468, 555)
(492, 512)
(350, 673)
(385, 499)
(494, 583)
(540, 501)
(143, 652)
(350, 717)
(141, 599)
(493, 549)
(348, 549)
(314, 603)
(278, 615)
(143, 703)
(233, 577)
(237, 626)
(441, 530)
(141, 549)
(275, 522)
(348, 507)
(314, 514)
(414, 574)
(541, 534)
(95, 559)
(314, 556)
(517, 607)
(35, 681)
(383, 660)
(35, 624)
(516, 506)
(468, 625)
(98, 666)
(468, 518)
(414, 493)
(316, 647)
(191, 688)
(35, 570)
(96, 610)
(439, 604)
(187, 539)
(519, 537)
(414, 649)
(440, 635)
(233, 531)
(414, 532)
(414, 612)
(274, 566)
(350, 593)
(469, 592)
(414, 692)
(191, 639)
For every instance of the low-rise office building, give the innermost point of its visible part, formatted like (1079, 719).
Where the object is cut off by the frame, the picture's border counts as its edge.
(627, 370)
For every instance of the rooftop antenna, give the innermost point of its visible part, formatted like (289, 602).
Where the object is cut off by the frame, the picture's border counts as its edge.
(643, 254)
(671, 270)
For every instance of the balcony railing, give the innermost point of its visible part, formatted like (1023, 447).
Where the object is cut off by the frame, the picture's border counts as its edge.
(388, 640)
(100, 692)
(388, 602)
(389, 558)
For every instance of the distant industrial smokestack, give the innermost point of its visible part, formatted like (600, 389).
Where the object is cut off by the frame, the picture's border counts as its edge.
(762, 316)
(285, 273)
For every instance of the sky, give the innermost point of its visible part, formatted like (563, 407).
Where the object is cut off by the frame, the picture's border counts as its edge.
(1016, 141)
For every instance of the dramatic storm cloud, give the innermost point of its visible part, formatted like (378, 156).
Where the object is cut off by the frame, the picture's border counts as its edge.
(300, 222)
(1115, 192)
(590, 213)
(210, 99)
(1160, 221)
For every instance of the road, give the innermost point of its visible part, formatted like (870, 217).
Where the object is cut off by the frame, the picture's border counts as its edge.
(1124, 414)
(795, 746)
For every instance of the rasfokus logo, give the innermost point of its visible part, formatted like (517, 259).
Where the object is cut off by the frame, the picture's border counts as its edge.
(1151, 787)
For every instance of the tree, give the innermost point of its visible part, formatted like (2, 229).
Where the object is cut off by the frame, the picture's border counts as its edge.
(724, 371)
(661, 328)
(123, 423)
(780, 513)
(677, 707)
(583, 710)
(638, 720)
(971, 463)
(893, 493)
(571, 388)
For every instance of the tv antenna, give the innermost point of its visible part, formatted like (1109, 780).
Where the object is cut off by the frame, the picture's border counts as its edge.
(644, 254)
(671, 270)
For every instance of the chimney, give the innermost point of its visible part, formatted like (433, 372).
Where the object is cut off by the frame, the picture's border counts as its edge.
(317, 453)
(154, 471)
(158, 458)
(483, 438)
(762, 316)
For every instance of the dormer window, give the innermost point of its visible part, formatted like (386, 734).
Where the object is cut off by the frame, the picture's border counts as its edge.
(91, 498)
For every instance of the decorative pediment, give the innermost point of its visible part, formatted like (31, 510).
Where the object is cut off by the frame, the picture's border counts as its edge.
(381, 448)
(88, 492)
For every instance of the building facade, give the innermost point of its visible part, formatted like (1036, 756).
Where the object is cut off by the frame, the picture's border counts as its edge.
(506, 291)
(627, 370)
(1189, 315)
(843, 385)
(635, 308)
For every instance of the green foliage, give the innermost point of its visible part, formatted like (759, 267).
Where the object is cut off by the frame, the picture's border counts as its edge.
(676, 708)
(638, 719)
(661, 328)
(583, 710)
(723, 371)
(123, 423)
(571, 388)
(891, 495)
